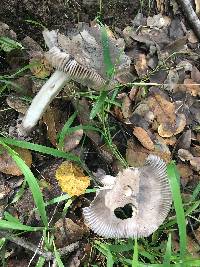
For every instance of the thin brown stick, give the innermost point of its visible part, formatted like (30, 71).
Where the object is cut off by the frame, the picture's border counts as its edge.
(191, 16)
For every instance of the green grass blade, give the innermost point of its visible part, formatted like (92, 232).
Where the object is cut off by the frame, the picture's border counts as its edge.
(62, 134)
(39, 148)
(168, 252)
(175, 188)
(57, 255)
(135, 254)
(18, 226)
(41, 262)
(32, 182)
(195, 192)
(109, 67)
(98, 105)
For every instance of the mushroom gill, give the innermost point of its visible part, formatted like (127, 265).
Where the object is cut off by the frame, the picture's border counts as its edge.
(77, 56)
(143, 192)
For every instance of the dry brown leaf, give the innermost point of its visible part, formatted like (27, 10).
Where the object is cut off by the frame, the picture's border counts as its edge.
(71, 179)
(17, 103)
(72, 140)
(136, 153)
(197, 7)
(40, 67)
(185, 155)
(166, 130)
(8, 165)
(67, 232)
(49, 119)
(195, 75)
(185, 172)
(141, 64)
(195, 163)
(143, 137)
(192, 37)
(191, 87)
(163, 109)
(126, 107)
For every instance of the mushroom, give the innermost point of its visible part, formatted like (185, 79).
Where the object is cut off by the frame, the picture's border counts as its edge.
(142, 193)
(79, 57)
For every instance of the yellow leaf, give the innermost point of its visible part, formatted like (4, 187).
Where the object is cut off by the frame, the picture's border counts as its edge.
(72, 179)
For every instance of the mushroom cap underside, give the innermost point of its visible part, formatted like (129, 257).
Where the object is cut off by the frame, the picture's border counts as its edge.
(151, 202)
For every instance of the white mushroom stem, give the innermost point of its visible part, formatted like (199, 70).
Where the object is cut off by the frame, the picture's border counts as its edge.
(43, 98)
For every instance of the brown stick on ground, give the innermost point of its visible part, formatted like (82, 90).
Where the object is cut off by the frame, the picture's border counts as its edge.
(191, 16)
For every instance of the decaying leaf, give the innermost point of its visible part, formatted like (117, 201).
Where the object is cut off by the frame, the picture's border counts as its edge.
(136, 153)
(195, 163)
(71, 179)
(126, 107)
(166, 130)
(72, 140)
(40, 67)
(191, 87)
(141, 64)
(143, 137)
(185, 155)
(67, 232)
(17, 103)
(185, 172)
(163, 109)
(49, 119)
(8, 165)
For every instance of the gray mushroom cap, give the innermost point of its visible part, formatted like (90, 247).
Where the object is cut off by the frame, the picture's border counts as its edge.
(146, 189)
(80, 54)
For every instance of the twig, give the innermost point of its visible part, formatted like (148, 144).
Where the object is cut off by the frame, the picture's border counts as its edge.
(191, 16)
(27, 245)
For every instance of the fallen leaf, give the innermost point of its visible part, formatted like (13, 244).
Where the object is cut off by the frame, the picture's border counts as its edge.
(197, 7)
(143, 137)
(67, 232)
(141, 64)
(49, 119)
(166, 130)
(163, 109)
(195, 163)
(195, 75)
(17, 103)
(72, 140)
(8, 165)
(72, 179)
(40, 67)
(192, 87)
(185, 172)
(136, 153)
(185, 155)
(192, 37)
(126, 107)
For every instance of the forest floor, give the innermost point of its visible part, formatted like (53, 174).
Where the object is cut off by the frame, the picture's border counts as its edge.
(48, 176)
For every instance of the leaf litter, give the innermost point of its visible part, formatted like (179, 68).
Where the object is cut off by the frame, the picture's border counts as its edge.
(162, 119)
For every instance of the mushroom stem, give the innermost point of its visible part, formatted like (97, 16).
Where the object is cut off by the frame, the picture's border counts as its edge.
(43, 98)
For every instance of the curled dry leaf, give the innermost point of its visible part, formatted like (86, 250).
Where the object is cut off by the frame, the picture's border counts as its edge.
(163, 109)
(49, 119)
(143, 137)
(126, 107)
(166, 130)
(67, 232)
(136, 153)
(8, 165)
(71, 179)
(17, 103)
(185, 172)
(195, 163)
(40, 67)
(141, 64)
(72, 140)
(192, 87)
(185, 155)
